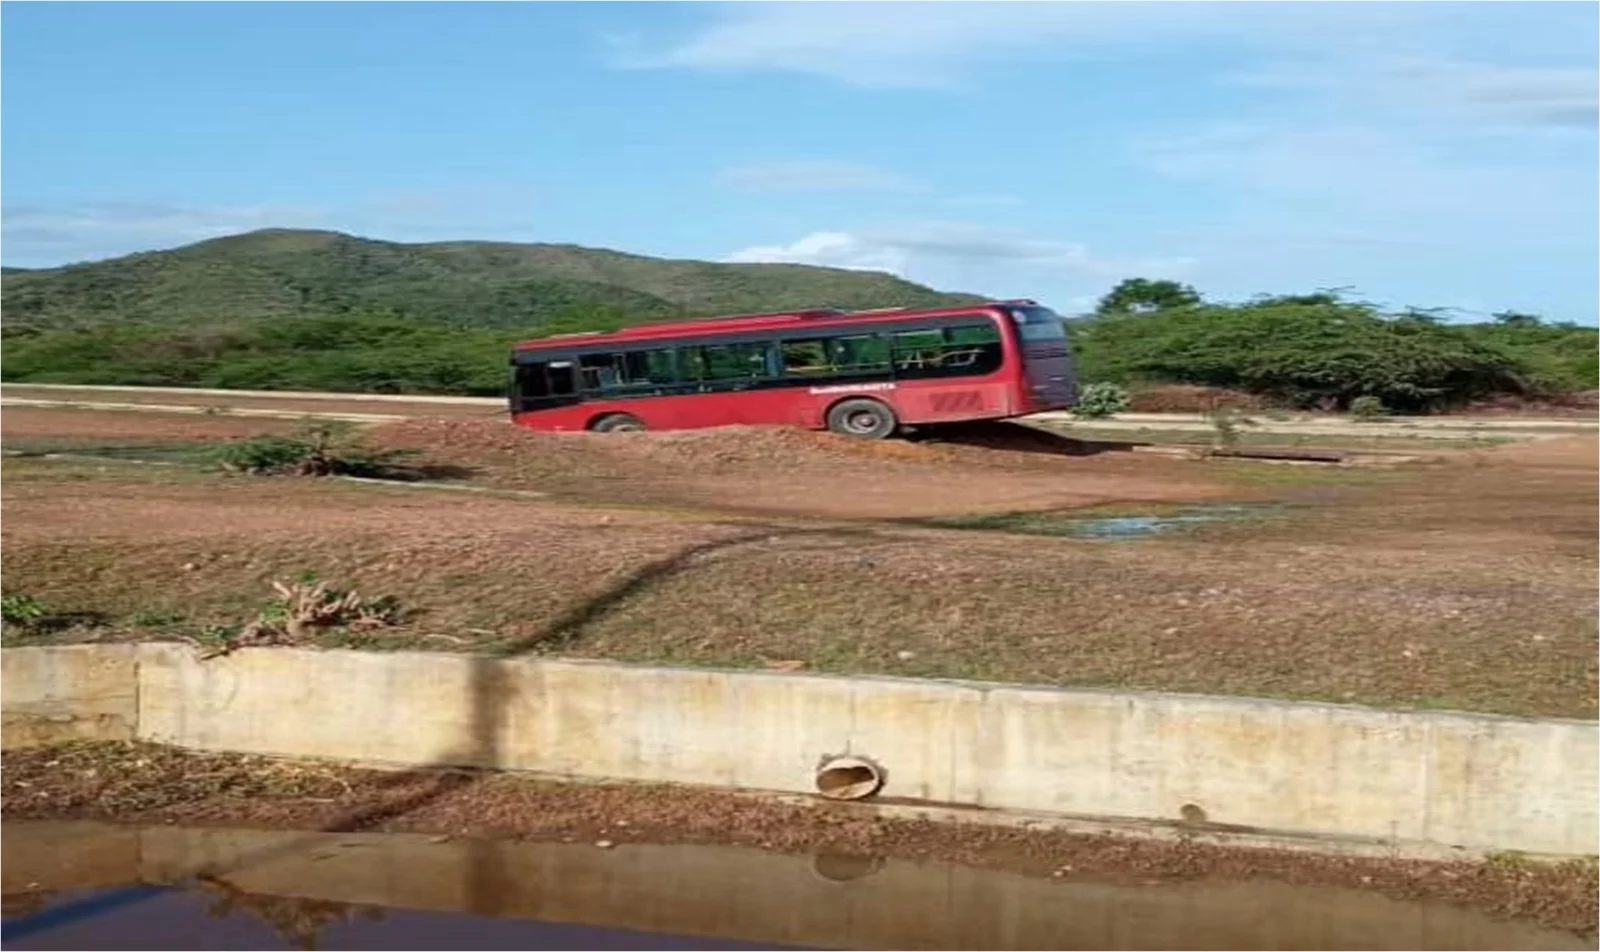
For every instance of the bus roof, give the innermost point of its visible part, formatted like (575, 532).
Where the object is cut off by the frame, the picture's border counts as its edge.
(747, 323)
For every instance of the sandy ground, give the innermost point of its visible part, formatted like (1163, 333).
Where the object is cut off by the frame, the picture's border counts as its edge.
(28, 424)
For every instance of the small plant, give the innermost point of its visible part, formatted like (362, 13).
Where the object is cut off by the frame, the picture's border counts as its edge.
(304, 609)
(318, 448)
(261, 454)
(1100, 400)
(1226, 424)
(1368, 408)
(20, 609)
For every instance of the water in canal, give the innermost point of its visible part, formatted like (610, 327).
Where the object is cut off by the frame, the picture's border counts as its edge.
(92, 886)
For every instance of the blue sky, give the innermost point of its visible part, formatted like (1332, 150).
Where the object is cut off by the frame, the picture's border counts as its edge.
(1424, 154)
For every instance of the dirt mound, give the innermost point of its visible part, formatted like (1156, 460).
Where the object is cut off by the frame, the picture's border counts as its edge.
(788, 471)
(495, 443)
(765, 445)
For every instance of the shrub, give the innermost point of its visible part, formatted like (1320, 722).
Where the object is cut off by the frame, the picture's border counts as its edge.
(1367, 408)
(1313, 352)
(20, 609)
(261, 454)
(318, 448)
(1225, 425)
(1100, 400)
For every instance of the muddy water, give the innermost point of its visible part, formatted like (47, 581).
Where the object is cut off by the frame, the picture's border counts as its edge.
(81, 885)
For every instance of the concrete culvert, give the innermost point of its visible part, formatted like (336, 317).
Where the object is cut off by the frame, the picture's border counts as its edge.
(848, 778)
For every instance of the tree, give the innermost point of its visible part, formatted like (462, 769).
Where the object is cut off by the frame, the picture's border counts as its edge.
(1142, 296)
(1517, 319)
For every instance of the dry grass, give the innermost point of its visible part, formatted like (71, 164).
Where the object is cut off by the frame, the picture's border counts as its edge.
(1466, 583)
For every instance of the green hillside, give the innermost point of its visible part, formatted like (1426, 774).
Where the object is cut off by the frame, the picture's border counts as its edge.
(287, 273)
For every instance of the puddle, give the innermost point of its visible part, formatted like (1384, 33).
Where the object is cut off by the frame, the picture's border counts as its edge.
(1078, 525)
(89, 885)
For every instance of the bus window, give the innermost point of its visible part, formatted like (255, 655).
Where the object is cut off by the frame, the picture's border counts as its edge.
(861, 354)
(563, 378)
(917, 350)
(650, 367)
(601, 371)
(973, 348)
(726, 362)
(546, 384)
(531, 382)
(806, 357)
(966, 350)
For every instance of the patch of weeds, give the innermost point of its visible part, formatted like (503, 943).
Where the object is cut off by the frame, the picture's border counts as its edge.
(1099, 401)
(1367, 409)
(318, 448)
(20, 609)
(307, 611)
(1226, 426)
(219, 634)
(155, 619)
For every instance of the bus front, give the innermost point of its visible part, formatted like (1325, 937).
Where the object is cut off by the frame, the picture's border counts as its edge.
(1049, 380)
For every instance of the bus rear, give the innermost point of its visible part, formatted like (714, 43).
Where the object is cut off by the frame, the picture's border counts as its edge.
(1049, 379)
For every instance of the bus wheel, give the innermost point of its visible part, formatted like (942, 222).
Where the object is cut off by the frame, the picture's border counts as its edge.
(617, 423)
(864, 418)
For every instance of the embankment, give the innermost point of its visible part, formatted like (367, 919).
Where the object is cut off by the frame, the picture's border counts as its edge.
(1335, 778)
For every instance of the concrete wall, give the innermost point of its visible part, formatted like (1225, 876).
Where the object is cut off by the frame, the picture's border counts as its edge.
(1417, 782)
(74, 692)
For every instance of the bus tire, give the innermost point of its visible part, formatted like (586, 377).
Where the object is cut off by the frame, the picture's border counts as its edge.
(617, 423)
(862, 418)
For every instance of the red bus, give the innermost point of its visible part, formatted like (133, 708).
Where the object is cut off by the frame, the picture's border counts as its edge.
(859, 373)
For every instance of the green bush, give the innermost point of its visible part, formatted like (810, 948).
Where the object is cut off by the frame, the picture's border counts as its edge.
(20, 609)
(1100, 400)
(261, 454)
(1305, 353)
(1367, 408)
(318, 448)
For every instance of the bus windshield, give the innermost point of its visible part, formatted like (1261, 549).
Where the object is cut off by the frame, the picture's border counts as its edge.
(1038, 323)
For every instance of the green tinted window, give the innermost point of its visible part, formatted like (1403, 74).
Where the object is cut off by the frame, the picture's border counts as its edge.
(650, 367)
(806, 357)
(967, 349)
(725, 362)
(867, 352)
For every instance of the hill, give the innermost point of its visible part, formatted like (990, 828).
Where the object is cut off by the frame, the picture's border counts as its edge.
(279, 273)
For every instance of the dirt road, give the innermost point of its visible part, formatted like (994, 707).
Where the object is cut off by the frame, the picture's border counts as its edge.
(375, 408)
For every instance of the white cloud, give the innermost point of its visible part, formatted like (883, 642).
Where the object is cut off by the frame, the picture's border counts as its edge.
(829, 249)
(813, 176)
(957, 255)
(927, 45)
(1475, 93)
